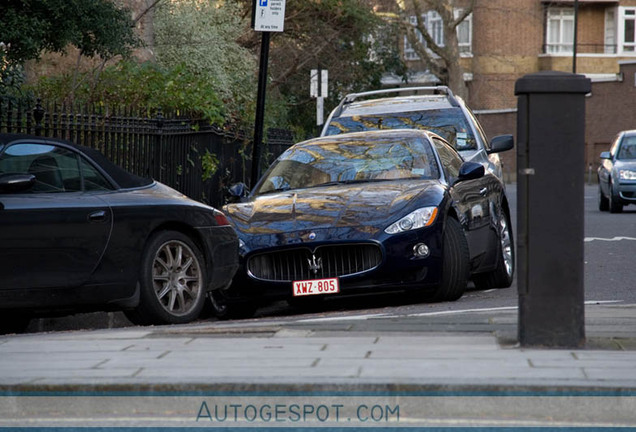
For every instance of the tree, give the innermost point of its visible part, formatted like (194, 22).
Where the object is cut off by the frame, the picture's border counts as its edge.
(96, 27)
(441, 59)
(344, 36)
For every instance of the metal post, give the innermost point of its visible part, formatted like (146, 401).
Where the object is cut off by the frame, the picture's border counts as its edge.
(550, 159)
(260, 108)
(576, 27)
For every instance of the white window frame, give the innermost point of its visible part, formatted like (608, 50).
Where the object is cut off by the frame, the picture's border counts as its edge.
(433, 23)
(626, 14)
(556, 42)
(610, 39)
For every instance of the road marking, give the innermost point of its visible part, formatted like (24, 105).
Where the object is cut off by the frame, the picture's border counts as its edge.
(424, 314)
(613, 239)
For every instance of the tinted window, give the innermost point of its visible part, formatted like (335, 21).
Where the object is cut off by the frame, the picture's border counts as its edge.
(451, 161)
(348, 160)
(449, 123)
(56, 169)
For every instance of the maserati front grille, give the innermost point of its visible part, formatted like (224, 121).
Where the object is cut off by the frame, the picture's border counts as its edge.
(323, 262)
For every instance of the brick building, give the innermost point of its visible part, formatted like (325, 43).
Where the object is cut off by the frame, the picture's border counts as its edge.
(508, 39)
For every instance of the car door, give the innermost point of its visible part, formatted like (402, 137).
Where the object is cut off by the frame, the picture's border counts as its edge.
(471, 199)
(52, 234)
(607, 166)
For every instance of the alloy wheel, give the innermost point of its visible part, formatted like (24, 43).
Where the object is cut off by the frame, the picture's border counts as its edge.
(177, 278)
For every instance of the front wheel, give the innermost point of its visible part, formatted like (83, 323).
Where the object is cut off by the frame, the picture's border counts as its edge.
(614, 204)
(502, 275)
(455, 263)
(225, 310)
(603, 202)
(172, 281)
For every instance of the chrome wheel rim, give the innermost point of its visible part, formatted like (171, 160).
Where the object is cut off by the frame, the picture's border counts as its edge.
(506, 245)
(177, 278)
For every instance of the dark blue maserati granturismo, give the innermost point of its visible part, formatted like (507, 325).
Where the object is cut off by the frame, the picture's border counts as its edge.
(369, 211)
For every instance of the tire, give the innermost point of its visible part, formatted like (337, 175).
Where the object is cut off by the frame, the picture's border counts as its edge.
(614, 205)
(504, 271)
(223, 310)
(603, 202)
(172, 281)
(455, 263)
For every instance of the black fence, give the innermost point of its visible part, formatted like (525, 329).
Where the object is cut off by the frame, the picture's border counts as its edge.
(188, 154)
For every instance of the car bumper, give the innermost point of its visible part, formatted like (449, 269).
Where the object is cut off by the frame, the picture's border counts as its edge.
(399, 270)
(221, 255)
(627, 192)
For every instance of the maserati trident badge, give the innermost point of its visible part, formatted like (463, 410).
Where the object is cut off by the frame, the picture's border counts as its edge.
(315, 264)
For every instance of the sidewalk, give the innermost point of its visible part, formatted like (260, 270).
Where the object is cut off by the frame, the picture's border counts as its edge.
(479, 352)
(430, 370)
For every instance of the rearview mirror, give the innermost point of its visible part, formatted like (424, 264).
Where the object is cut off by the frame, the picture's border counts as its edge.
(605, 155)
(11, 183)
(471, 171)
(236, 193)
(501, 143)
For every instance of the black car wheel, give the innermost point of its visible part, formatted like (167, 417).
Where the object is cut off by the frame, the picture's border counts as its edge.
(455, 263)
(603, 202)
(614, 204)
(172, 281)
(225, 310)
(503, 274)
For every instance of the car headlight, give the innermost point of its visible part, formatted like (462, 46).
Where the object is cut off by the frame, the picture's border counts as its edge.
(627, 175)
(420, 218)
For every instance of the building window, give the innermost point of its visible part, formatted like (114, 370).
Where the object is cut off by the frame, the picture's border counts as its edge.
(627, 30)
(433, 23)
(560, 30)
(610, 31)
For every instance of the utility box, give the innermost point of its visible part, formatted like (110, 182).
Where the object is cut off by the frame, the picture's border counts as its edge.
(550, 208)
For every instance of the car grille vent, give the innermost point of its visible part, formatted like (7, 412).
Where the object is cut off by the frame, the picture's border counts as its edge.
(325, 262)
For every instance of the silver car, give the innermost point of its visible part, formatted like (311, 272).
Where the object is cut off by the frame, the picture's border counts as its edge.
(435, 109)
(617, 174)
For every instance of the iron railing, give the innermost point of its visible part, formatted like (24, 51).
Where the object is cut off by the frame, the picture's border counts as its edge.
(176, 149)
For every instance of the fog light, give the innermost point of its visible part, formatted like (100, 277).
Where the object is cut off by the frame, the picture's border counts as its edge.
(420, 250)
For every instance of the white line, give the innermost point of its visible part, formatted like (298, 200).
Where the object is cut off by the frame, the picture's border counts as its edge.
(613, 239)
(343, 318)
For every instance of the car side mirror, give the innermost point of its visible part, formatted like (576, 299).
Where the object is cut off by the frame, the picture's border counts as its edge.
(501, 143)
(236, 193)
(11, 183)
(470, 171)
(606, 155)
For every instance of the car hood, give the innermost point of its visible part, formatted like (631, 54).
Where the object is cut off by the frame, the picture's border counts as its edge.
(629, 164)
(344, 212)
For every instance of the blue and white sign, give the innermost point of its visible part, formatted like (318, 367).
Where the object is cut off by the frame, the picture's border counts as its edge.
(269, 15)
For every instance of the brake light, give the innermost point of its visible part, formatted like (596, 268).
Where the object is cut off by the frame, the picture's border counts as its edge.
(220, 219)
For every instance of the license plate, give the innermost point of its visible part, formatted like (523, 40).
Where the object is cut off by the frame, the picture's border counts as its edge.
(316, 286)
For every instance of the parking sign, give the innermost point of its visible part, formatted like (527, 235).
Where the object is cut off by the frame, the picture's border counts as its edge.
(269, 15)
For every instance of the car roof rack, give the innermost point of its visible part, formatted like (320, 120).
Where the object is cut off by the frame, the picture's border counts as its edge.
(435, 89)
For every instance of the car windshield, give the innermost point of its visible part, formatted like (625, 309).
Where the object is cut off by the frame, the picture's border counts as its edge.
(340, 161)
(628, 148)
(449, 123)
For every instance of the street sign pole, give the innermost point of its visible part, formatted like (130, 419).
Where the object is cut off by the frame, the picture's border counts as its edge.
(319, 89)
(260, 108)
(267, 16)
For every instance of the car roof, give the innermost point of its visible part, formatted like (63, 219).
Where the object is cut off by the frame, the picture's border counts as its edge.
(395, 105)
(372, 134)
(122, 178)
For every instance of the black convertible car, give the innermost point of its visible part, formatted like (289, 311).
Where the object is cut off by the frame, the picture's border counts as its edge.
(378, 210)
(78, 233)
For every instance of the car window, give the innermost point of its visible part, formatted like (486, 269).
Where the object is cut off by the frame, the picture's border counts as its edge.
(628, 148)
(348, 160)
(449, 123)
(451, 161)
(56, 169)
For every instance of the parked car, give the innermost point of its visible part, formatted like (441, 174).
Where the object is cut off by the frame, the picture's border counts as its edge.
(369, 211)
(437, 110)
(80, 234)
(617, 174)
